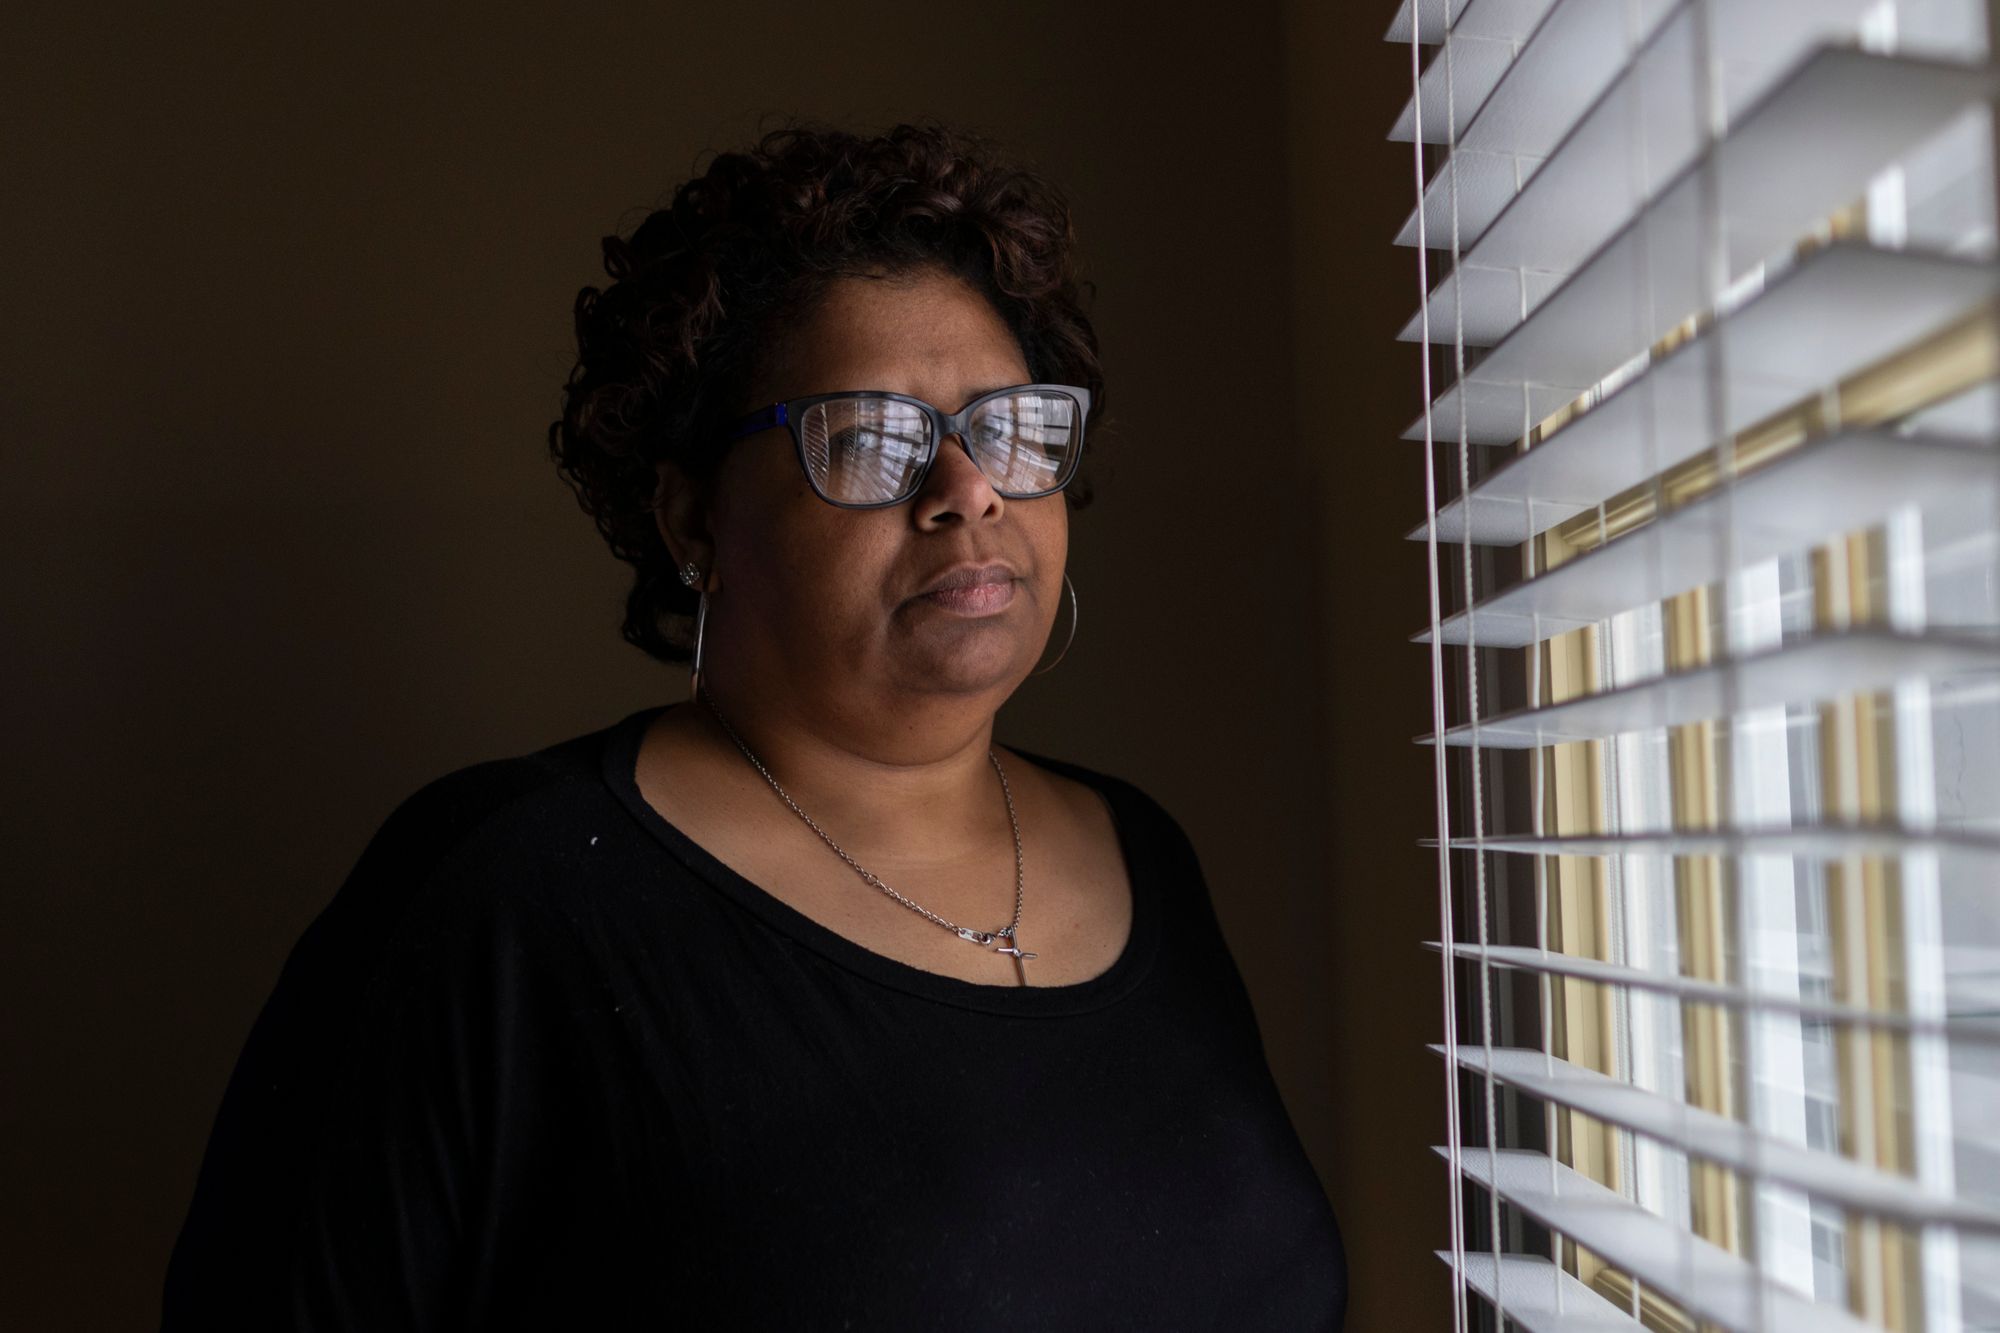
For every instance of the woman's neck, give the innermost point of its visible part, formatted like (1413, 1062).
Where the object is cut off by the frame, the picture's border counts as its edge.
(920, 786)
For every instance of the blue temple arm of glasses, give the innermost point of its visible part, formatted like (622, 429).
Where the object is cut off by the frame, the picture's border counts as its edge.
(774, 415)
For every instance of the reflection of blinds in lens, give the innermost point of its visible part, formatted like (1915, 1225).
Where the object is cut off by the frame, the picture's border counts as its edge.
(996, 435)
(1710, 345)
(864, 450)
(1024, 440)
(814, 430)
(898, 437)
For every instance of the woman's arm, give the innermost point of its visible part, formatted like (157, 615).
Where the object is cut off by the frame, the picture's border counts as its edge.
(390, 1111)
(438, 1137)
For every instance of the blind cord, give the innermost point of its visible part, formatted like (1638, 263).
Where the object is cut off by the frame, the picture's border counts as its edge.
(1477, 787)
(1454, 1148)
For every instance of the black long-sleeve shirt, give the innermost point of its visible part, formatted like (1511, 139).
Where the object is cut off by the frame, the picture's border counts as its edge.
(544, 1062)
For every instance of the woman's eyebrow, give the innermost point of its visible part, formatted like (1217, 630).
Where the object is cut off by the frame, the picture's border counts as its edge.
(981, 393)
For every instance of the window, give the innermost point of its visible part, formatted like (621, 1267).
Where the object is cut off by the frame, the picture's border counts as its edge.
(1707, 309)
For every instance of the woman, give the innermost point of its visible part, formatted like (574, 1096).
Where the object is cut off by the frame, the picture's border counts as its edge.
(802, 1004)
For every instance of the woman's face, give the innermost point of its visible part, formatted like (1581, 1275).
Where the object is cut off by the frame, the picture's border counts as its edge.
(824, 603)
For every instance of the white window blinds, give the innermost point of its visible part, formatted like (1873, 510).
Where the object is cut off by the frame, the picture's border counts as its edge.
(1711, 361)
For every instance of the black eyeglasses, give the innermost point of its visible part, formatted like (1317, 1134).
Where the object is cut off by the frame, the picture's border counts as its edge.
(866, 449)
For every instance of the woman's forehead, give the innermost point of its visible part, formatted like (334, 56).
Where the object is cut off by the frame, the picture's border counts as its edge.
(931, 336)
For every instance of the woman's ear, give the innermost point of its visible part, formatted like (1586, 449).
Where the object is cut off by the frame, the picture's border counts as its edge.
(680, 512)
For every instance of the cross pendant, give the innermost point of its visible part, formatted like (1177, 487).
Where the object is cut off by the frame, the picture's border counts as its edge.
(1008, 934)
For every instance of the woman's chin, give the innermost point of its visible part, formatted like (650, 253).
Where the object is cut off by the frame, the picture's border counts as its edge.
(979, 656)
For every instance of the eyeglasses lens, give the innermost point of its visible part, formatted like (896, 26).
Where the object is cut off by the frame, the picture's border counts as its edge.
(1026, 442)
(864, 450)
(869, 450)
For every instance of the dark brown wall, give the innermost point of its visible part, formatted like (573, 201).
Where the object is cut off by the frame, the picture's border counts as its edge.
(1356, 390)
(287, 305)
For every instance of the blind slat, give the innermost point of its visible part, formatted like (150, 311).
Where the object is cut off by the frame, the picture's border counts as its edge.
(1567, 63)
(1486, 184)
(1972, 413)
(1572, 53)
(1608, 78)
(1822, 841)
(1837, 309)
(1721, 1140)
(1477, 65)
(1828, 486)
(1977, 1028)
(1515, 25)
(1633, 222)
(1605, 451)
(1541, 1297)
(1513, 19)
(1564, 63)
(1711, 1283)
(1565, 477)
(1432, 17)
(1808, 669)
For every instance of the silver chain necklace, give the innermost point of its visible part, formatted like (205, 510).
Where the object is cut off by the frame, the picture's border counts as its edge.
(1000, 941)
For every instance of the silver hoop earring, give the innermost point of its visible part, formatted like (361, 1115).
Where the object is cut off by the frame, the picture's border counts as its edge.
(1072, 628)
(691, 575)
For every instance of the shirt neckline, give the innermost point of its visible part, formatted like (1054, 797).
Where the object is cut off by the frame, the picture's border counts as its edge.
(620, 774)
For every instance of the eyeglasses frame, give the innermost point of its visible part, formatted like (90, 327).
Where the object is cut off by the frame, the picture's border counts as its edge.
(791, 413)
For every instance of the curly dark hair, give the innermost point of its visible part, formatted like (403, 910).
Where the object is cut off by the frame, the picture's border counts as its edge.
(668, 352)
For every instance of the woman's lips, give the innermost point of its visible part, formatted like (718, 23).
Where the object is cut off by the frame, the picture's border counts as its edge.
(979, 600)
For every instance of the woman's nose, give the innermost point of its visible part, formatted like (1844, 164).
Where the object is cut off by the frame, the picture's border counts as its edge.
(956, 486)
